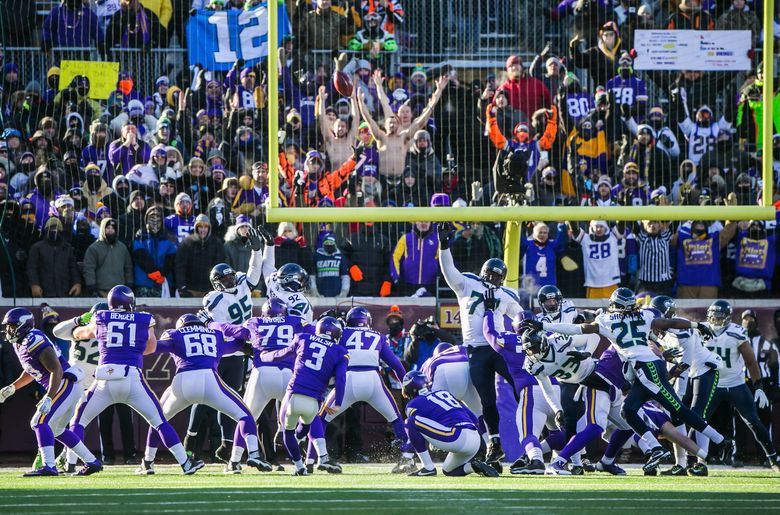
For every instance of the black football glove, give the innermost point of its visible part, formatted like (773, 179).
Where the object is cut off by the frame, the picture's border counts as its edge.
(671, 354)
(490, 299)
(254, 239)
(531, 325)
(268, 238)
(705, 331)
(578, 355)
(445, 230)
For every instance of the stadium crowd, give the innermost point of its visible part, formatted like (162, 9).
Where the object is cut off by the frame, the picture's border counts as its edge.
(162, 180)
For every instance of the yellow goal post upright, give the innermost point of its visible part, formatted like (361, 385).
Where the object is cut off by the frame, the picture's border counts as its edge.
(514, 215)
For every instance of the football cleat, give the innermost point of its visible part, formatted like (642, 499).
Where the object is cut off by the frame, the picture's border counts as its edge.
(651, 472)
(232, 467)
(423, 472)
(577, 470)
(132, 460)
(556, 468)
(70, 468)
(310, 468)
(610, 468)
(329, 466)
(774, 464)
(698, 469)
(223, 453)
(43, 471)
(278, 468)
(254, 460)
(146, 468)
(404, 466)
(483, 469)
(91, 468)
(191, 466)
(727, 449)
(532, 467)
(588, 466)
(655, 457)
(520, 462)
(38, 462)
(676, 470)
(300, 472)
(62, 461)
(494, 451)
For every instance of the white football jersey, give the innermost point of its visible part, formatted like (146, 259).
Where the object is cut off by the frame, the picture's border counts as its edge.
(695, 354)
(234, 308)
(556, 363)
(726, 345)
(297, 303)
(600, 260)
(472, 308)
(566, 315)
(628, 334)
(85, 354)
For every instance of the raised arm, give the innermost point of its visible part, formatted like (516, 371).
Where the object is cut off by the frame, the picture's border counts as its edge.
(452, 275)
(421, 120)
(376, 132)
(85, 332)
(381, 94)
(322, 120)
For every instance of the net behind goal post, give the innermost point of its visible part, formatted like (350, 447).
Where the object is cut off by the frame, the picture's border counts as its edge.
(479, 158)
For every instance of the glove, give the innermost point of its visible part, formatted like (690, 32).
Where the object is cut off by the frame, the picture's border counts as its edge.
(204, 316)
(355, 273)
(445, 230)
(184, 292)
(357, 152)
(267, 236)
(762, 401)
(706, 332)
(672, 354)
(578, 355)
(254, 239)
(559, 421)
(531, 325)
(6, 392)
(490, 299)
(156, 276)
(44, 406)
(384, 291)
(84, 319)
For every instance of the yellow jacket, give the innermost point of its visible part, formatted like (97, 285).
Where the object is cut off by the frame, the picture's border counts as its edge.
(163, 9)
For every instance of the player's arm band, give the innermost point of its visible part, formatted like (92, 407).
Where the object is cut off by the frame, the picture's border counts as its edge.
(562, 328)
(694, 325)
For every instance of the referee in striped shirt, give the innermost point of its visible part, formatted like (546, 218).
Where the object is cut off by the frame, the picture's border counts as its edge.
(655, 267)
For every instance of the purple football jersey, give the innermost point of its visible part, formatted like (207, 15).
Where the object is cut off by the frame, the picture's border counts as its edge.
(29, 351)
(367, 347)
(196, 347)
(655, 416)
(317, 359)
(610, 367)
(627, 91)
(441, 408)
(274, 333)
(453, 355)
(509, 345)
(122, 336)
(578, 105)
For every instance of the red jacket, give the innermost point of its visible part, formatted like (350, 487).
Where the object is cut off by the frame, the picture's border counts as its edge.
(527, 94)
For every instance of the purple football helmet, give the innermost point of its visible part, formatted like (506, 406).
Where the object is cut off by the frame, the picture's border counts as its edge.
(188, 319)
(359, 317)
(518, 319)
(121, 297)
(328, 327)
(274, 307)
(442, 347)
(17, 323)
(414, 383)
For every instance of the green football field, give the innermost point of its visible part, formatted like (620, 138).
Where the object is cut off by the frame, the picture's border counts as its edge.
(371, 489)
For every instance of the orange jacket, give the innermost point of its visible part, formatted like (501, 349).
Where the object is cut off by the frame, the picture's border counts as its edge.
(500, 141)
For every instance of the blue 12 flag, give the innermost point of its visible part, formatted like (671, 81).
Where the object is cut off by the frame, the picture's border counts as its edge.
(216, 39)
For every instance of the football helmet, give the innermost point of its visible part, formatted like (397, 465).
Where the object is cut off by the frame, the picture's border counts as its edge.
(99, 306)
(493, 272)
(719, 313)
(274, 307)
(121, 297)
(292, 277)
(550, 299)
(442, 347)
(188, 319)
(328, 327)
(414, 383)
(17, 323)
(534, 343)
(622, 300)
(223, 278)
(359, 317)
(664, 305)
(518, 319)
